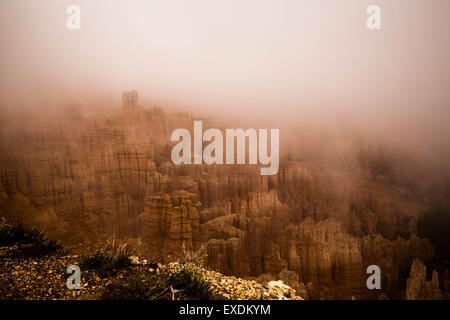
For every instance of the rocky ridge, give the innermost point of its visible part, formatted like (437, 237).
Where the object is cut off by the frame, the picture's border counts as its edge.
(45, 277)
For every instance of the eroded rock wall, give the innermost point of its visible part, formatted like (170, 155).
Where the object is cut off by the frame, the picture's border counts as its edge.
(81, 179)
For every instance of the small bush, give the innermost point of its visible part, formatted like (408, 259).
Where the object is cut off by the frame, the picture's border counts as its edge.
(109, 256)
(136, 288)
(191, 282)
(31, 242)
(195, 257)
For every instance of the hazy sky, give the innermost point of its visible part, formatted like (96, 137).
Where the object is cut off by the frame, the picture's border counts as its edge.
(280, 58)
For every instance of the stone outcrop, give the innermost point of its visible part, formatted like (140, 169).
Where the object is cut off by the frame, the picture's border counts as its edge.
(171, 221)
(394, 257)
(418, 288)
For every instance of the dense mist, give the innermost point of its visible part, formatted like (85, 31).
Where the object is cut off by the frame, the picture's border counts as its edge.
(293, 62)
(301, 66)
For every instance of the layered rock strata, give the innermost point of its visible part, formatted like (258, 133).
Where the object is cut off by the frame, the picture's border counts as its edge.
(317, 225)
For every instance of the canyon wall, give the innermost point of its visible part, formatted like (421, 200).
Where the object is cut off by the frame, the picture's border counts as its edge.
(316, 225)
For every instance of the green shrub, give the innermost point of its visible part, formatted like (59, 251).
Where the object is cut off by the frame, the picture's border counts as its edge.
(196, 257)
(31, 242)
(108, 256)
(135, 288)
(191, 282)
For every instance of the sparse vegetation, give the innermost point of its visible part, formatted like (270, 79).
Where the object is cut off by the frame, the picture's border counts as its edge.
(108, 256)
(111, 271)
(31, 242)
(140, 286)
(191, 283)
(196, 257)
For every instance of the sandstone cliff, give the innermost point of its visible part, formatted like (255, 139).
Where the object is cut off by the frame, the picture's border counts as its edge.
(315, 224)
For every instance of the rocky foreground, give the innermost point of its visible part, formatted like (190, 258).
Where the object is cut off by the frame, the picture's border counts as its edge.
(229, 287)
(45, 278)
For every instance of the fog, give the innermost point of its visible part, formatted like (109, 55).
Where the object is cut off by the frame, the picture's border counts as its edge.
(289, 63)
